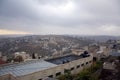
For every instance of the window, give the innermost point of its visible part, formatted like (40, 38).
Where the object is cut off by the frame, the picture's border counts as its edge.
(78, 66)
(82, 64)
(86, 63)
(59, 73)
(51, 76)
(72, 68)
(90, 61)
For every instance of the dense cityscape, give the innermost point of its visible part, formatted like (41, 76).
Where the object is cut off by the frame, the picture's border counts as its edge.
(59, 39)
(17, 50)
(50, 45)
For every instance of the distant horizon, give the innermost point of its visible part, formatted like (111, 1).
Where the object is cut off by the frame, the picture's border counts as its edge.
(53, 35)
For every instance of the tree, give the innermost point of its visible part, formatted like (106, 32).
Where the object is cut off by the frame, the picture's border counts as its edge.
(18, 59)
(33, 56)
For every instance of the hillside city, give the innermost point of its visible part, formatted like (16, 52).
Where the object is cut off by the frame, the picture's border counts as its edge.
(59, 39)
(16, 50)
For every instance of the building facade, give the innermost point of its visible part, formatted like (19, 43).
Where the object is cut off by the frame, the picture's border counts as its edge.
(41, 70)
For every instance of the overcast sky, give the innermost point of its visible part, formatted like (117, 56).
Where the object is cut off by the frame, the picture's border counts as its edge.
(82, 17)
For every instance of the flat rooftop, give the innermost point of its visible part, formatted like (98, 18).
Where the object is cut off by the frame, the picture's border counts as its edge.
(65, 59)
(32, 66)
(25, 68)
(115, 53)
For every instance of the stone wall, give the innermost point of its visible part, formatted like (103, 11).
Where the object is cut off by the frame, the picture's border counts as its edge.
(7, 77)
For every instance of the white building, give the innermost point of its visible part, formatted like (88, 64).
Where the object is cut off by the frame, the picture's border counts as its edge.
(4, 58)
(23, 54)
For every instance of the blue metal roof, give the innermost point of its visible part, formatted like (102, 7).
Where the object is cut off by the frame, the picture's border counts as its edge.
(25, 68)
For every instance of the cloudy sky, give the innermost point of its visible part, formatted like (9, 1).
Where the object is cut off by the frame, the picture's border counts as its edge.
(82, 17)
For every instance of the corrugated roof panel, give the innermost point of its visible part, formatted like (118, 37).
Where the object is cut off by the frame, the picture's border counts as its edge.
(26, 68)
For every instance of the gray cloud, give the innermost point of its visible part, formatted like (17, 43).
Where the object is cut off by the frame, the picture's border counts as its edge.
(61, 16)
